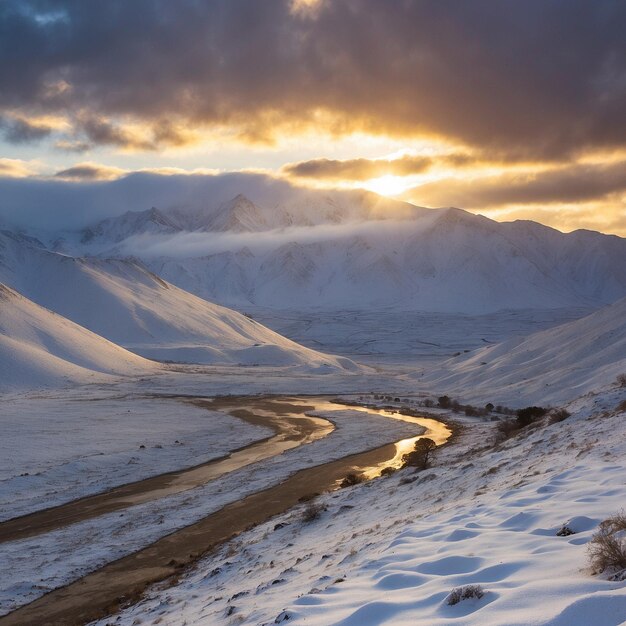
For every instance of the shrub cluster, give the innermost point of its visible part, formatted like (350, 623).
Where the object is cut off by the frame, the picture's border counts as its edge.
(607, 548)
(458, 594)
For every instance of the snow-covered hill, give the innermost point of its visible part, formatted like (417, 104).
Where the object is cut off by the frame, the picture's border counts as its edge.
(124, 302)
(39, 348)
(547, 367)
(307, 249)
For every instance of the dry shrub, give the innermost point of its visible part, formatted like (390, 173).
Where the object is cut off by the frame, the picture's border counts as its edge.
(621, 380)
(506, 429)
(559, 415)
(621, 407)
(458, 594)
(607, 548)
(352, 479)
(312, 511)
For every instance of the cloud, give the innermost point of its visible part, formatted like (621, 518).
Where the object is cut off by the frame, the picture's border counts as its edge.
(17, 168)
(20, 131)
(539, 78)
(575, 183)
(90, 171)
(357, 169)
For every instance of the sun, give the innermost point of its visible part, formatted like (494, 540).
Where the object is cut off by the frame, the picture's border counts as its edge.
(388, 185)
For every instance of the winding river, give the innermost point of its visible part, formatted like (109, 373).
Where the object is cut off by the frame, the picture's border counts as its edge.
(295, 422)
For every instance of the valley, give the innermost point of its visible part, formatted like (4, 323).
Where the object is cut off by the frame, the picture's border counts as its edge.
(159, 447)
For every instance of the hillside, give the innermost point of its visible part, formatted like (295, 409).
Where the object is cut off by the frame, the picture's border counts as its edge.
(547, 367)
(124, 302)
(39, 348)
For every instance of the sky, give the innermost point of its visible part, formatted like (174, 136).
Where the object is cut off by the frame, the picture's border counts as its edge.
(505, 108)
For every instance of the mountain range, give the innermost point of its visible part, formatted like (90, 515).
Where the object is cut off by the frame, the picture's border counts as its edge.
(357, 251)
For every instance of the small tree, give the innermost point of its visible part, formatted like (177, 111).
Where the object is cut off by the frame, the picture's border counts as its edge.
(444, 402)
(488, 407)
(419, 457)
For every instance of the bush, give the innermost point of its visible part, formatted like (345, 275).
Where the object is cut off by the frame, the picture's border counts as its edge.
(312, 511)
(559, 415)
(419, 457)
(621, 407)
(444, 402)
(505, 429)
(529, 415)
(458, 594)
(621, 380)
(352, 479)
(607, 548)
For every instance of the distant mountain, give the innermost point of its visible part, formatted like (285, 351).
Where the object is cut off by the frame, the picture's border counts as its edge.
(241, 214)
(548, 367)
(39, 348)
(440, 260)
(279, 246)
(116, 229)
(129, 305)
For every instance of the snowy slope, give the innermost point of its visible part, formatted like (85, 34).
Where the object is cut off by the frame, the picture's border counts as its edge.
(130, 306)
(547, 366)
(39, 348)
(390, 551)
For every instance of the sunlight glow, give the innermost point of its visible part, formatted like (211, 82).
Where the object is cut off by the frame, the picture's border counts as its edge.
(387, 185)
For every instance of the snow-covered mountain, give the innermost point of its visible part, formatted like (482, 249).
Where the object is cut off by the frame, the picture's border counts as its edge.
(116, 229)
(129, 305)
(39, 348)
(277, 246)
(440, 260)
(546, 367)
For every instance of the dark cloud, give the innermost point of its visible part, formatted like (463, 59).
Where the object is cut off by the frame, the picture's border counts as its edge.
(357, 169)
(576, 183)
(538, 78)
(89, 171)
(21, 131)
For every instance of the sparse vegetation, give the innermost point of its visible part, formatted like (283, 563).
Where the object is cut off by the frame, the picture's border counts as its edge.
(621, 407)
(607, 548)
(559, 415)
(352, 479)
(312, 511)
(621, 380)
(458, 594)
(528, 415)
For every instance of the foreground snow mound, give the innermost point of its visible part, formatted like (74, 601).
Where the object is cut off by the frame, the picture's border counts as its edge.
(129, 305)
(549, 366)
(39, 348)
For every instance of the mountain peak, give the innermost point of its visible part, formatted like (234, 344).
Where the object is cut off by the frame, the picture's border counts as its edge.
(240, 215)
